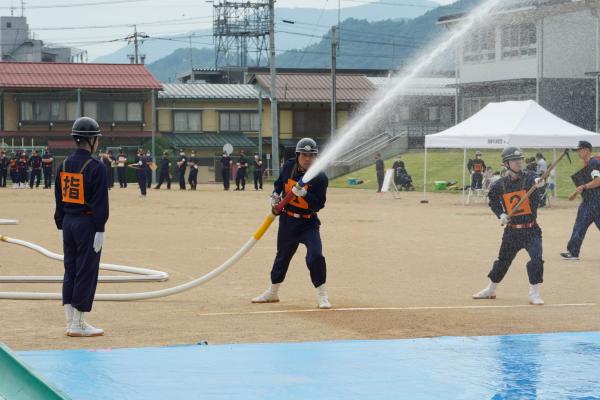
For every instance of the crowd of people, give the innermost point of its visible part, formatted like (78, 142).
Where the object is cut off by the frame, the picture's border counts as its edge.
(25, 169)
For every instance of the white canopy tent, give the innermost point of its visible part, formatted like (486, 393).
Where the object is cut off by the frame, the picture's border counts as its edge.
(524, 124)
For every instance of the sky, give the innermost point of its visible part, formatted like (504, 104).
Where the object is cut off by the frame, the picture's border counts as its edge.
(102, 24)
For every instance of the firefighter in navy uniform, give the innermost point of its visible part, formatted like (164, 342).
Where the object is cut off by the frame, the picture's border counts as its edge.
(3, 168)
(47, 161)
(13, 171)
(258, 172)
(35, 163)
(193, 175)
(225, 170)
(165, 175)
(140, 165)
(122, 168)
(240, 176)
(22, 162)
(522, 230)
(81, 193)
(476, 167)
(588, 185)
(299, 223)
(181, 167)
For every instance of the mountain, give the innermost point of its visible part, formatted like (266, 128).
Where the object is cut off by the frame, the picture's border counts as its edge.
(387, 44)
(160, 46)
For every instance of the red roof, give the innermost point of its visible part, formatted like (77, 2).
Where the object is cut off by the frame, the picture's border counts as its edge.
(316, 88)
(76, 75)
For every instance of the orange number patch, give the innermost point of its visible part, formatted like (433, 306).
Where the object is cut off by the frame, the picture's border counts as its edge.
(510, 201)
(72, 188)
(296, 201)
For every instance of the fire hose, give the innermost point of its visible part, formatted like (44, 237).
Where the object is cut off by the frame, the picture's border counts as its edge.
(258, 234)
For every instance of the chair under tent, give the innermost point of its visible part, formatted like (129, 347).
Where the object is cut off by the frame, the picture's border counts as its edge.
(523, 124)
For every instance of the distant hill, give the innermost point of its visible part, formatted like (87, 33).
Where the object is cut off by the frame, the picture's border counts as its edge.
(167, 68)
(159, 47)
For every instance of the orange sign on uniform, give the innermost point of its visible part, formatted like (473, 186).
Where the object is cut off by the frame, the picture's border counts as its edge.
(72, 187)
(296, 201)
(510, 201)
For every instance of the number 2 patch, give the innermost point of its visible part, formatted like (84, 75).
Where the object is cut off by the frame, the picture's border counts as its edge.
(510, 201)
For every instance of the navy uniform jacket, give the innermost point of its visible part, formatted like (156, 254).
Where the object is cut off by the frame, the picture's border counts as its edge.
(592, 196)
(505, 193)
(257, 165)
(4, 163)
(46, 157)
(35, 162)
(165, 163)
(95, 189)
(141, 162)
(476, 165)
(379, 166)
(316, 189)
(225, 162)
(183, 161)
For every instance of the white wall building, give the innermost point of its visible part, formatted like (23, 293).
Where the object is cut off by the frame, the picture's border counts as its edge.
(539, 50)
(17, 44)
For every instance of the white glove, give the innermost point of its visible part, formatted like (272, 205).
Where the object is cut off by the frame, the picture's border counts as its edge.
(98, 241)
(275, 199)
(299, 192)
(539, 183)
(504, 219)
(139, 163)
(60, 235)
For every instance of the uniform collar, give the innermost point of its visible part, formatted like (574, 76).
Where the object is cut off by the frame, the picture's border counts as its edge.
(83, 152)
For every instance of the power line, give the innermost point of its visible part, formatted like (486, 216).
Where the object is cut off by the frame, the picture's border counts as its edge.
(70, 5)
(156, 22)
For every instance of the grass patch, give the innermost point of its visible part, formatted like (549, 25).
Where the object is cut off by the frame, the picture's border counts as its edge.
(444, 165)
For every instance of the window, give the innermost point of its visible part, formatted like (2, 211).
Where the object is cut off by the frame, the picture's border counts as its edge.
(480, 46)
(72, 110)
(46, 110)
(90, 109)
(519, 41)
(472, 105)
(434, 113)
(238, 121)
(187, 121)
(9, 25)
(113, 112)
(134, 111)
(312, 123)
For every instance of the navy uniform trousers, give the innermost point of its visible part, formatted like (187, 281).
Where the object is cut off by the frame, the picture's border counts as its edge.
(291, 233)
(587, 214)
(513, 241)
(82, 263)
(140, 174)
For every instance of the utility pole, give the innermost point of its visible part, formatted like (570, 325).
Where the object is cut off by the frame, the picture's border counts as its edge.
(274, 120)
(191, 61)
(135, 58)
(135, 41)
(333, 81)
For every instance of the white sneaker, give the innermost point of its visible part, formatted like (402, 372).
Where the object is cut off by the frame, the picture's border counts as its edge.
(534, 295)
(269, 296)
(80, 328)
(488, 293)
(68, 316)
(322, 298)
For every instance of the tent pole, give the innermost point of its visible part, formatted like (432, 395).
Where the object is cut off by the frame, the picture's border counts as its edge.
(425, 177)
(554, 195)
(464, 173)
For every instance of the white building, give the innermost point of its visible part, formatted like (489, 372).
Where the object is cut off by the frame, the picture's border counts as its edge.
(544, 50)
(17, 44)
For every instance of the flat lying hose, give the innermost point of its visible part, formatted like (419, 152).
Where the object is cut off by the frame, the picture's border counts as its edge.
(143, 274)
(144, 295)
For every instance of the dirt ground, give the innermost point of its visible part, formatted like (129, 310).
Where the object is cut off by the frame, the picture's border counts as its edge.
(410, 268)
